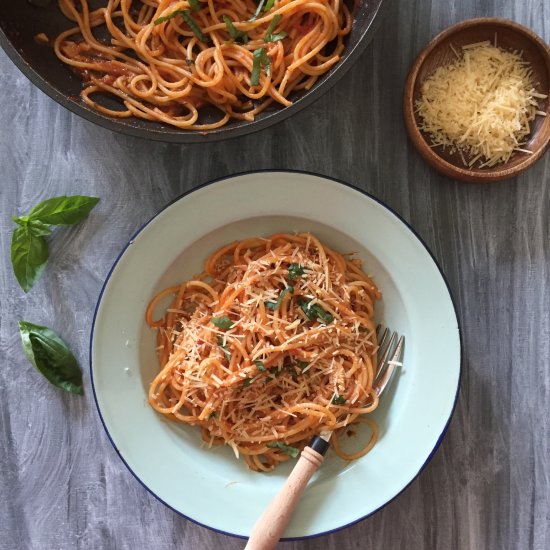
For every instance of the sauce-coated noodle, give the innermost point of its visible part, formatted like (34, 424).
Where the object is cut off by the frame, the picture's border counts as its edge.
(166, 60)
(274, 342)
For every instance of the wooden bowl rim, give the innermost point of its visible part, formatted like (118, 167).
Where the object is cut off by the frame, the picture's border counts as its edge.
(416, 135)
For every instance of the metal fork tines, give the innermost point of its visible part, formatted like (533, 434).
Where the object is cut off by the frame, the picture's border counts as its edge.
(391, 348)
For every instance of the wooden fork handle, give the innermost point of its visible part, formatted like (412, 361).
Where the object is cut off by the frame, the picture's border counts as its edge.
(271, 524)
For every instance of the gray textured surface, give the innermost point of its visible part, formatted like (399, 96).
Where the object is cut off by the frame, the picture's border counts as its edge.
(62, 485)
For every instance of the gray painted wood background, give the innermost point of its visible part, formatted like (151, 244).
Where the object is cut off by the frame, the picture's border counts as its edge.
(62, 486)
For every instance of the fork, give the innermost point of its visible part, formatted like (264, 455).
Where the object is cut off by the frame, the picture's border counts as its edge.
(271, 524)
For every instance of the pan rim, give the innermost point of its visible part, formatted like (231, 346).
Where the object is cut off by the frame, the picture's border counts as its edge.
(174, 135)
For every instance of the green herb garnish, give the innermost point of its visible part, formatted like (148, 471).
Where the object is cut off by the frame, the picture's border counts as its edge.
(302, 365)
(194, 26)
(258, 10)
(277, 304)
(269, 5)
(195, 5)
(187, 17)
(29, 250)
(51, 357)
(165, 18)
(223, 323)
(212, 415)
(269, 36)
(225, 349)
(295, 270)
(338, 400)
(236, 35)
(287, 449)
(260, 365)
(260, 59)
(315, 312)
(246, 382)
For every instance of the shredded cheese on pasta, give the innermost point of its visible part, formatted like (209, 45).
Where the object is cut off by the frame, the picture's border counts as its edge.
(273, 343)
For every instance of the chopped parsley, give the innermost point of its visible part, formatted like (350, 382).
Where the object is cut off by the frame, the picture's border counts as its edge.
(287, 449)
(195, 5)
(269, 5)
(223, 323)
(315, 312)
(277, 304)
(338, 400)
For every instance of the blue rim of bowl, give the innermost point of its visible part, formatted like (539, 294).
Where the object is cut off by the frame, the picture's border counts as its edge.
(236, 175)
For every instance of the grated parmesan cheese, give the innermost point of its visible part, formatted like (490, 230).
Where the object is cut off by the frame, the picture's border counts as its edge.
(481, 105)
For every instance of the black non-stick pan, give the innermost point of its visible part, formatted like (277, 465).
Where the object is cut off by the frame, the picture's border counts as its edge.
(21, 21)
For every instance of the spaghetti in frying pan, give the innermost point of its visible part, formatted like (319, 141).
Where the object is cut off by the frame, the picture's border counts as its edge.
(169, 60)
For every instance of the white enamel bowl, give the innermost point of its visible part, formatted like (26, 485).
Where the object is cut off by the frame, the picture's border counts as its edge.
(209, 486)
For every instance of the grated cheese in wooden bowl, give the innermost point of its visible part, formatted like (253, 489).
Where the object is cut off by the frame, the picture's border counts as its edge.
(480, 105)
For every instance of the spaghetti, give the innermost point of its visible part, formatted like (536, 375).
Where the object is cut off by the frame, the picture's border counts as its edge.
(273, 343)
(169, 60)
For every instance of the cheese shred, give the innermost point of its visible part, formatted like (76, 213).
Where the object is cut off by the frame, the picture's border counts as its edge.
(295, 357)
(480, 105)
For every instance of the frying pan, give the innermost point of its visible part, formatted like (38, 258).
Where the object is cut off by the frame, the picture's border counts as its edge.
(21, 21)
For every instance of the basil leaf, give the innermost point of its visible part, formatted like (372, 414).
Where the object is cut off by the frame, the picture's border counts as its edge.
(269, 36)
(258, 10)
(269, 5)
(23, 221)
(260, 365)
(224, 323)
(29, 254)
(255, 76)
(165, 18)
(276, 37)
(39, 229)
(194, 26)
(235, 34)
(315, 312)
(295, 270)
(338, 400)
(51, 357)
(225, 349)
(277, 304)
(195, 5)
(63, 210)
(287, 449)
(266, 63)
(302, 365)
(260, 59)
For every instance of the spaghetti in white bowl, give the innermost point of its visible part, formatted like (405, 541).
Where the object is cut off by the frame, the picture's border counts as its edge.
(208, 485)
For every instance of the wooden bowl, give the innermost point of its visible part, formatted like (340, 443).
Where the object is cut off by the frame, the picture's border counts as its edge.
(510, 36)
